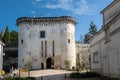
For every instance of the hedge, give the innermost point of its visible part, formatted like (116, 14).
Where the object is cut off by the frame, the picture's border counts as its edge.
(84, 75)
(17, 78)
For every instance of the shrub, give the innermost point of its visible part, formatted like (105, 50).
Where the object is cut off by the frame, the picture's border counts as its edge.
(17, 78)
(75, 75)
(30, 78)
(108, 78)
(11, 78)
(92, 74)
(84, 75)
(75, 68)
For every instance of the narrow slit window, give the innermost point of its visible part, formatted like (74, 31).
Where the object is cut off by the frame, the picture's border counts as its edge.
(41, 48)
(45, 48)
(22, 41)
(68, 40)
(53, 48)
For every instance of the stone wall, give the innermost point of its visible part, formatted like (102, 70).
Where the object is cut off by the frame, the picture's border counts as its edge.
(36, 50)
(83, 55)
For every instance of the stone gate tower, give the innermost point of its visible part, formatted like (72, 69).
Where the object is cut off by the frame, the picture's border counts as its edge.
(46, 42)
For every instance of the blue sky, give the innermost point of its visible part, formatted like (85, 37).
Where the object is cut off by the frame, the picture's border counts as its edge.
(84, 11)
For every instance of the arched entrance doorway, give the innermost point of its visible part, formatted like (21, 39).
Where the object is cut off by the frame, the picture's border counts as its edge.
(49, 63)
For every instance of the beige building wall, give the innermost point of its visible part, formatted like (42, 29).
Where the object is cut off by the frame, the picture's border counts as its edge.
(1, 56)
(95, 51)
(82, 55)
(105, 45)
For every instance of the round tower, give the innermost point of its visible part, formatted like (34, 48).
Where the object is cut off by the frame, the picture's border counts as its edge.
(46, 42)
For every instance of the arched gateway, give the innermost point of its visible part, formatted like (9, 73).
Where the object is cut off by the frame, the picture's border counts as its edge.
(49, 63)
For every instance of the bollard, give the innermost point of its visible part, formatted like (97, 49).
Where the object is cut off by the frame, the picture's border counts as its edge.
(28, 72)
(41, 77)
(19, 73)
(65, 75)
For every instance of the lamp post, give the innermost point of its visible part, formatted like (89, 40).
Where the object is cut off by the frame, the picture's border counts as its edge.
(28, 72)
(19, 72)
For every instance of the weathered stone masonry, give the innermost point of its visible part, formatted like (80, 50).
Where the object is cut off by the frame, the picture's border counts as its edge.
(46, 42)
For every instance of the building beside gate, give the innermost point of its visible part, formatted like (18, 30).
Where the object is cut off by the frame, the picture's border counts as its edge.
(82, 55)
(46, 42)
(1, 56)
(105, 45)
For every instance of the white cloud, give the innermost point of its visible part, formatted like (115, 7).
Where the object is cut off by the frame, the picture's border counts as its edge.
(83, 8)
(80, 7)
(34, 3)
(48, 14)
(32, 12)
(77, 7)
(52, 6)
(37, 0)
(63, 4)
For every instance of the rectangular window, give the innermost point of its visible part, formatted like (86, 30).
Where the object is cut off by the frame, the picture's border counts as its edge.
(22, 41)
(53, 48)
(95, 57)
(42, 34)
(68, 40)
(45, 48)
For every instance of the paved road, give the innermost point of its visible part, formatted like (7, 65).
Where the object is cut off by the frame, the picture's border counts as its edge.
(51, 75)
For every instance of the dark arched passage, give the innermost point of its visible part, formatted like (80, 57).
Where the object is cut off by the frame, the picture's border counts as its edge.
(49, 63)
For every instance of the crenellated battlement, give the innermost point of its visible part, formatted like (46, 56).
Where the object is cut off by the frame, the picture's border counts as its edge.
(41, 20)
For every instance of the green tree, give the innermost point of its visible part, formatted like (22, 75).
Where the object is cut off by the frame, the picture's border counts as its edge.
(13, 37)
(77, 41)
(92, 29)
(1, 34)
(6, 37)
(0, 37)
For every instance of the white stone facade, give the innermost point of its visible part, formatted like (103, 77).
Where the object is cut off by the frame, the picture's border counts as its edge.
(82, 55)
(1, 56)
(105, 45)
(46, 42)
